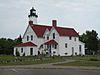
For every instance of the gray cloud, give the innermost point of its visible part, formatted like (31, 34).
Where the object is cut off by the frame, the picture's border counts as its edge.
(69, 13)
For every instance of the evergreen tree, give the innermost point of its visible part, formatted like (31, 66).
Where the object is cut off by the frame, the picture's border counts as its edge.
(19, 39)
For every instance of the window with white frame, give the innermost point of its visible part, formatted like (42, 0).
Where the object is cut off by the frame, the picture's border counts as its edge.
(80, 49)
(75, 39)
(31, 37)
(21, 50)
(66, 45)
(27, 38)
(53, 35)
(70, 38)
(54, 46)
(47, 37)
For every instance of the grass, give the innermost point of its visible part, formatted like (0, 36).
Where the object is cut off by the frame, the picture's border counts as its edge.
(7, 58)
(87, 61)
(82, 63)
(82, 57)
(10, 60)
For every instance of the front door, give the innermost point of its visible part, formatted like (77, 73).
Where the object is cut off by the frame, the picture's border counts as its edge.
(31, 51)
(49, 49)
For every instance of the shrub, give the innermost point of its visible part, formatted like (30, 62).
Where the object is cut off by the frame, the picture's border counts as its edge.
(93, 59)
(66, 53)
(54, 52)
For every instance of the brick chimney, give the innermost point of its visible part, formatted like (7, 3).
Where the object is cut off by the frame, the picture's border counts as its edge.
(54, 23)
(30, 22)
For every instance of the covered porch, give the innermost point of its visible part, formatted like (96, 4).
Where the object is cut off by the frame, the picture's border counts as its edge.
(50, 48)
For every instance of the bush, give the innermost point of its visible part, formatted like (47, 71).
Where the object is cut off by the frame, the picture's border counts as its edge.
(66, 53)
(93, 59)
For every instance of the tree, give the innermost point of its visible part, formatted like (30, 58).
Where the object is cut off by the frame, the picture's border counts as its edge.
(6, 45)
(18, 40)
(99, 46)
(90, 38)
(2, 45)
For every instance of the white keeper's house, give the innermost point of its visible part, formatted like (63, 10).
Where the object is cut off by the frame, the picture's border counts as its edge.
(50, 40)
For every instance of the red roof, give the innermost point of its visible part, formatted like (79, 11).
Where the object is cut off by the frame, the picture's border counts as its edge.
(40, 29)
(26, 44)
(51, 42)
(66, 31)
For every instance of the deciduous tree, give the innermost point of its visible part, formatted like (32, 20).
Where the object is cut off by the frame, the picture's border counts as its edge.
(90, 38)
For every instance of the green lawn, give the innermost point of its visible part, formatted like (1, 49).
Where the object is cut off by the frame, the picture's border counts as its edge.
(82, 57)
(10, 60)
(82, 63)
(79, 60)
(89, 61)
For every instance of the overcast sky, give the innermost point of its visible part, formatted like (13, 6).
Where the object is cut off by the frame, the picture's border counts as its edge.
(81, 15)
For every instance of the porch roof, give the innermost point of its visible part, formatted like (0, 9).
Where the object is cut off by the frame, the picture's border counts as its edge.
(51, 42)
(26, 44)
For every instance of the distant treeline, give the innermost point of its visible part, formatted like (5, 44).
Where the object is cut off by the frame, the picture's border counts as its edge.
(7, 45)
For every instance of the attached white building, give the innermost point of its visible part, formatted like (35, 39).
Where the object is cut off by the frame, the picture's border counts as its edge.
(51, 40)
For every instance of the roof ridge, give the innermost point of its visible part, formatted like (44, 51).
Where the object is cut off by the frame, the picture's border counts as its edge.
(41, 25)
(51, 26)
(65, 27)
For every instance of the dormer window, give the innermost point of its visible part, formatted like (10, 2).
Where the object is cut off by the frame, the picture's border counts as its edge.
(27, 38)
(31, 37)
(47, 37)
(53, 35)
(75, 39)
